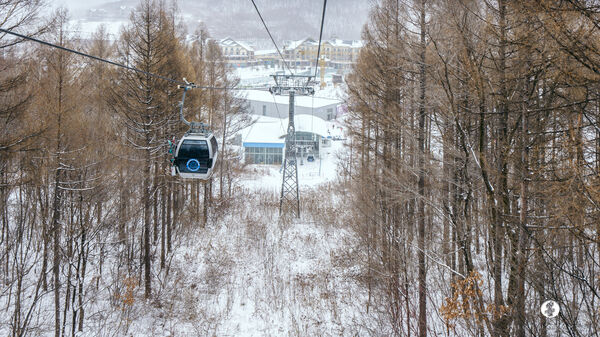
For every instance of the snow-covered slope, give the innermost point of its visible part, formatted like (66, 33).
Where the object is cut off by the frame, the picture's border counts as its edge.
(250, 274)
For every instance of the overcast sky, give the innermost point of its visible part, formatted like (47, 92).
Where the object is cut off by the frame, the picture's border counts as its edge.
(78, 4)
(287, 19)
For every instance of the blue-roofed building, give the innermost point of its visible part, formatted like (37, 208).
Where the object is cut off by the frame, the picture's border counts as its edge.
(264, 141)
(263, 153)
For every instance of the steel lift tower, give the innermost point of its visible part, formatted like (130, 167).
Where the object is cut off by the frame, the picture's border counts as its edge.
(292, 85)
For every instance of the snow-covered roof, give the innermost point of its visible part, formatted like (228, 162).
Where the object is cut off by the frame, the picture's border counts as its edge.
(229, 42)
(312, 124)
(265, 130)
(304, 101)
(346, 43)
(337, 43)
(334, 42)
(295, 44)
(272, 131)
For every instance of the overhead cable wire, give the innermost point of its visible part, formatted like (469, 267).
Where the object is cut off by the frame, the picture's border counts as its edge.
(91, 56)
(278, 114)
(182, 83)
(271, 36)
(320, 36)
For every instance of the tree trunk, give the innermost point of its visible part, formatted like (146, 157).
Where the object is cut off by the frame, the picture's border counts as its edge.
(205, 204)
(56, 228)
(83, 256)
(170, 196)
(520, 300)
(147, 225)
(421, 182)
(57, 201)
(501, 320)
(163, 192)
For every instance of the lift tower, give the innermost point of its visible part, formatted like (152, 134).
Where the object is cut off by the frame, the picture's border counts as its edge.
(292, 85)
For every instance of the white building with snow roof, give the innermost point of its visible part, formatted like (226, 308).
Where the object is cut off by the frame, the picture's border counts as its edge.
(264, 141)
(264, 103)
(338, 53)
(236, 52)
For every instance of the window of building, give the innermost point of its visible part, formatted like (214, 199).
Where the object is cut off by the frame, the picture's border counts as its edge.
(264, 110)
(329, 114)
(264, 155)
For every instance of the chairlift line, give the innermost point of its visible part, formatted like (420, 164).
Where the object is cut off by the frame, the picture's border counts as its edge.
(195, 156)
(197, 151)
(181, 83)
(320, 36)
(272, 39)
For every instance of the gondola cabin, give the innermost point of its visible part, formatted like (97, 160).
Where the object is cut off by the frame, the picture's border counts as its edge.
(195, 156)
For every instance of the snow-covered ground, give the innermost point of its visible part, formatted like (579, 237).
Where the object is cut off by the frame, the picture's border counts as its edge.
(249, 273)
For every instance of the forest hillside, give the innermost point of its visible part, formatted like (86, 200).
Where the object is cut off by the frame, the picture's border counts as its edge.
(465, 194)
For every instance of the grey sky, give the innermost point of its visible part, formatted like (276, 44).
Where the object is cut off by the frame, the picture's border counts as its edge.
(287, 19)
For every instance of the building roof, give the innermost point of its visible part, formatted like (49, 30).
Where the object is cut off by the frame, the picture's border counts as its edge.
(346, 43)
(291, 45)
(303, 101)
(265, 130)
(270, 131)
(312, 124)
(334, 42)
(295, 44)
(229, 42)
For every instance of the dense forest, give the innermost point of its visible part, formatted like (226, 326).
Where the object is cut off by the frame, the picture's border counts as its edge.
(468, 190)
(475, 178)
(84, 166)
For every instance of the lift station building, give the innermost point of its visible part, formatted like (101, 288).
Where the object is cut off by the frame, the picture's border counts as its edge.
(264, 141)
(263, 103)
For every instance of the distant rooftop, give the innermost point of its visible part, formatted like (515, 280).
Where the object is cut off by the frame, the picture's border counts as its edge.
(346, 43)
(265, 130)
(304, 101)
(269, 130)
(231, 42)
(333, 42)
(295, 44)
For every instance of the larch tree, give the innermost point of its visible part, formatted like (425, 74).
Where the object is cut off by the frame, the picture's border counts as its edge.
(148, 44)
(59, 109)
(511, 111)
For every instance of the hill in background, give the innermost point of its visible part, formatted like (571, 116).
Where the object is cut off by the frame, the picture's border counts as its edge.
(287, 19)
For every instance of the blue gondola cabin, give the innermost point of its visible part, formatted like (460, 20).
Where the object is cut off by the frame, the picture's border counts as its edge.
(195, 156)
